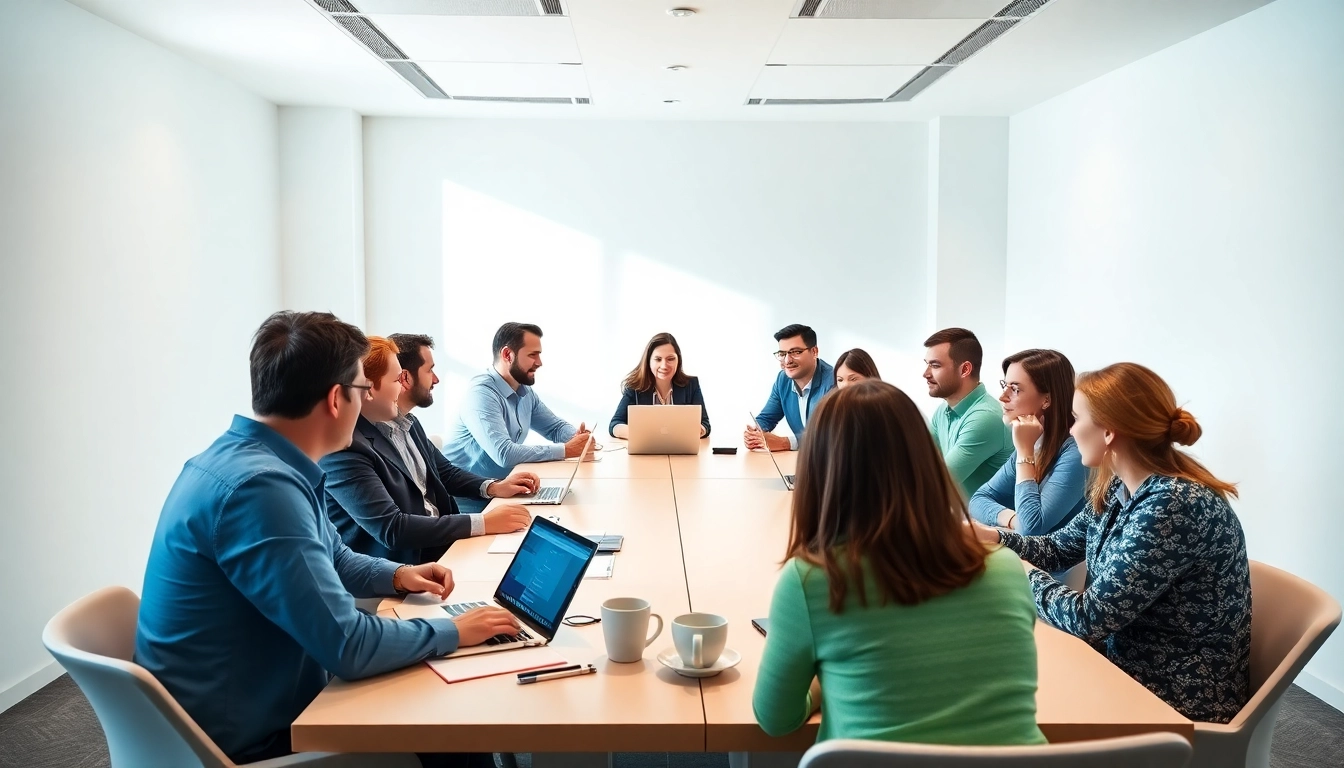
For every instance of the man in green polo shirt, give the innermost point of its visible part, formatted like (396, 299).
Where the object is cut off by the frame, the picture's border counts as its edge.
(968, 426)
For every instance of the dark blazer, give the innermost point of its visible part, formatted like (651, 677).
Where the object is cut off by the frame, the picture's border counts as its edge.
(378, 509)
(687, 395)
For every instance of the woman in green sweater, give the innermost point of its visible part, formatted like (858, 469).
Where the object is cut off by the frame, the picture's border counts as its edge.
(887, 603)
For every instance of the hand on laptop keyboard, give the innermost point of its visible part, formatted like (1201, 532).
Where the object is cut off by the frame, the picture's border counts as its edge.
(479, 623)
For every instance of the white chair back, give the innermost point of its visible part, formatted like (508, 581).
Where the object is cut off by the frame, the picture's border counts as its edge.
(1149, 750)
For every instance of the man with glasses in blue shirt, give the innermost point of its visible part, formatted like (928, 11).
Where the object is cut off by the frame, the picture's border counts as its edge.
(804, 378)
(248, 607)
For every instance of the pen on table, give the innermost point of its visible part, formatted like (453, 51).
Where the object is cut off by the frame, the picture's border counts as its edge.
(586, 669)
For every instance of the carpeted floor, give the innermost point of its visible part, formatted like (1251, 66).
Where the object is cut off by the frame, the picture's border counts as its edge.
(55, 727)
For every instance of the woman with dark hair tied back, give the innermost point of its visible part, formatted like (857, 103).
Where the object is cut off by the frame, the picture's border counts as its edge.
(658, 379)
(887, 602)
(1169, 591)
(853, 366)
(1040, 488)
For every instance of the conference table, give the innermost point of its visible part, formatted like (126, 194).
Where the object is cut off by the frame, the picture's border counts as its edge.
(702, 532)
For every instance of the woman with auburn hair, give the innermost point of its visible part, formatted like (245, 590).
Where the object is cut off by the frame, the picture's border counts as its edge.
(658, 379)
(886, 598)
(1169, 592)
(1041, 486)
(853, 366)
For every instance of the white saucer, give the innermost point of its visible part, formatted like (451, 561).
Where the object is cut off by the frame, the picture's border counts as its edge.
(727, 660)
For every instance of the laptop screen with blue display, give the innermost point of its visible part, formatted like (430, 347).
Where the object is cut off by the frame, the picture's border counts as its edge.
(544, 575)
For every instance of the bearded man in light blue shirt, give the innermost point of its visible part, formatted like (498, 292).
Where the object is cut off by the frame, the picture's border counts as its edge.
(500, 408)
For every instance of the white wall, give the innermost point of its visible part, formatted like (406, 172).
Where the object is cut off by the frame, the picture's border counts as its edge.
(322, 211)
(1186, 212)
(968, 230)
(138, 213)
(605, 233)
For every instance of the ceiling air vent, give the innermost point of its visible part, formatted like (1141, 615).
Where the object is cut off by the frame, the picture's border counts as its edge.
(918, 83)
(416, 76)
(809, 9)
(372, 37)
(1020, 9)
(336, 6)
(971, 44)
(552, 8)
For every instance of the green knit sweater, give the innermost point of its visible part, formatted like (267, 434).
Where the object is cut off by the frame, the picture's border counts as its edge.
(957, 669)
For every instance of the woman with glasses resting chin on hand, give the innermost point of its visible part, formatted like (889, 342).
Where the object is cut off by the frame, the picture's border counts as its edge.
(1040, 488)
(658, 379)
(1169, 591)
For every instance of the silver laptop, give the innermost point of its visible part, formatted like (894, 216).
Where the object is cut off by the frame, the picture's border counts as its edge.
(556, 493)
(664, 429)
(537, 588)
(788, 479)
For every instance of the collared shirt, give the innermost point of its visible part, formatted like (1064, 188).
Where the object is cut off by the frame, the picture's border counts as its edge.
(973, 438)
(398, 432)
(248, 602)
(492, 424)
(803, 395)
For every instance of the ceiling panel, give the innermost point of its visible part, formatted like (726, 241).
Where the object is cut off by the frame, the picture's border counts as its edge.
(910, 9)
(541, 40)
(831, 82)
(451, 7)
(868, 42)
(521, 80)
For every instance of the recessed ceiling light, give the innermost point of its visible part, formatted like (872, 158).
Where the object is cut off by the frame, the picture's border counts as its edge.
(680, 13)
(676, 68)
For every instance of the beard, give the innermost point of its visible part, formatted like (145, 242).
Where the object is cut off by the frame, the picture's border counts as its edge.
(421, 396)
(942, 391)
(521, 376)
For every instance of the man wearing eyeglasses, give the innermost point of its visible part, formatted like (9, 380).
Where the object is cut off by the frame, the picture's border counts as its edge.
(248, 606)
(804, 378)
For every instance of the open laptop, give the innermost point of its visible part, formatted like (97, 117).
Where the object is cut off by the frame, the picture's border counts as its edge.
(788, 479)
(537, 588)
(554, 493)
(664, 429)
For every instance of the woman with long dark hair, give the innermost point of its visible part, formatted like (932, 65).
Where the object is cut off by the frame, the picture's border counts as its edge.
(658, 379)
(1169, 589)
(1040, 488)
(886, 597)
(853, 366)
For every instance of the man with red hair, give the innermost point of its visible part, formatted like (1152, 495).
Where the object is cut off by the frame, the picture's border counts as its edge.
(390, 494)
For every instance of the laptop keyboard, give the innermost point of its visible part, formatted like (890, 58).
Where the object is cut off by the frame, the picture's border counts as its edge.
(549, 493)
(457, 609)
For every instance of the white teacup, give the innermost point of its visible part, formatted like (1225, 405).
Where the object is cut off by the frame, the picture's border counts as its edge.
(625, 628)
(700, 638)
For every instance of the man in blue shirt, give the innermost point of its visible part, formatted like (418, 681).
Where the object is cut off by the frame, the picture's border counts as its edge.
(500, 408)
(248, 604)
(804, 378)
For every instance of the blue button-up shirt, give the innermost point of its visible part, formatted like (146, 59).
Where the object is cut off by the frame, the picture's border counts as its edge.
(492, 423)
(248, 601)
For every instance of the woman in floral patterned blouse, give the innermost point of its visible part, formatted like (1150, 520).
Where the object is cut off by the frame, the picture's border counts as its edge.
(1169, 591)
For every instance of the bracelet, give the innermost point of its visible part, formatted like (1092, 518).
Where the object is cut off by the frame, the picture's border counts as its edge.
(396, 580)
(1028, 460)
(1012, 519)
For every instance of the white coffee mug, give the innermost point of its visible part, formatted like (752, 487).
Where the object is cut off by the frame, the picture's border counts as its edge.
(700, 638)
(625, 628)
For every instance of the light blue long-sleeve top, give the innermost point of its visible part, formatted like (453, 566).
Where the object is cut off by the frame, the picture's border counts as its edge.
(249, 598)
(1041, 507)
(492, 423)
